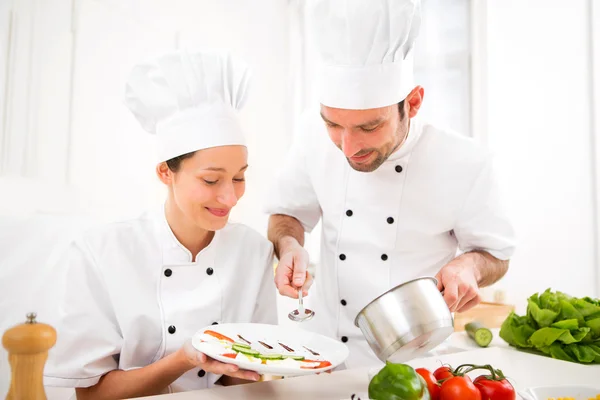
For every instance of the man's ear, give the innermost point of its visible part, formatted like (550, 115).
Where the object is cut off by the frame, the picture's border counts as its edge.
(164, 173)
(414, 100)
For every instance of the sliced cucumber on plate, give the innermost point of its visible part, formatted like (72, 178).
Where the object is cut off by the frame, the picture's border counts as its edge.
(294, 357)
(245, 350)
(270, 356)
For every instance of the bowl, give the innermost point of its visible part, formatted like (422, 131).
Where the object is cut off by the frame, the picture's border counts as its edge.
(555, 392)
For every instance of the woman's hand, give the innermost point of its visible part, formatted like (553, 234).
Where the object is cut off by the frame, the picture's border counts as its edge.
(195, 358)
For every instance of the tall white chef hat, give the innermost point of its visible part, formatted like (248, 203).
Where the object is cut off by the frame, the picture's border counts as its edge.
(189, 100)
(365, 50)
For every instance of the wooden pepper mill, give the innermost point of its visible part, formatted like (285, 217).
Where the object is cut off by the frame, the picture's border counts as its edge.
(27, 345)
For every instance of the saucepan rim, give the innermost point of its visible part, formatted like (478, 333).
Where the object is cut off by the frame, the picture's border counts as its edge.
(391, 290)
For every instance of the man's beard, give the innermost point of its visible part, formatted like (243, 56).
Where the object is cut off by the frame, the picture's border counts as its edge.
(380, 158)
(373, 165)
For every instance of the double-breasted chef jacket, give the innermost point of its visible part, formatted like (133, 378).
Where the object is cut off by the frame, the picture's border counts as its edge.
(432, 199)
(133, 295)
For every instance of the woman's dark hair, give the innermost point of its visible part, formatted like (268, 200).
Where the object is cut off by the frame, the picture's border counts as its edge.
(175, 163)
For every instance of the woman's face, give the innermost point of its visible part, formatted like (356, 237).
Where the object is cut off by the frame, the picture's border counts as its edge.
(208, 184)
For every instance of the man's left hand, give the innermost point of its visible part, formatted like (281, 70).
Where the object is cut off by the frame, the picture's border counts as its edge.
(458, 280)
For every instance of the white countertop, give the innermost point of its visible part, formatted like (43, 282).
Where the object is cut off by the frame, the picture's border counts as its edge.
(523, 369)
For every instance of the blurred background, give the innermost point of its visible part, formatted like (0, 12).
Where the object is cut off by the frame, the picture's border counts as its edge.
(521, 76)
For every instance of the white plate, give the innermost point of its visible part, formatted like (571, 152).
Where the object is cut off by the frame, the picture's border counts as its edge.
(555, 392)
(297, 339)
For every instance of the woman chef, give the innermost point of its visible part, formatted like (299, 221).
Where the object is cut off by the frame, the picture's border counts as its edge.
(137, 290)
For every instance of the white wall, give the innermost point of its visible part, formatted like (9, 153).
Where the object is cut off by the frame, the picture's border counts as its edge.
(35, 70)
(111, 166)
(595, 60)
(107, 166)
(539, 121)
(258, 32)
(125, 181)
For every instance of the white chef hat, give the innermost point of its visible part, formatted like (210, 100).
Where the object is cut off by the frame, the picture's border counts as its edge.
(365, 50)
(189, 100)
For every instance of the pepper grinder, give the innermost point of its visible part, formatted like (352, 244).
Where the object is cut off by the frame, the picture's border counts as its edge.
(27, 345)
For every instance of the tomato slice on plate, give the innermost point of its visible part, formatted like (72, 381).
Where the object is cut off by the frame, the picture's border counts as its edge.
(322, 364)
(218, 335)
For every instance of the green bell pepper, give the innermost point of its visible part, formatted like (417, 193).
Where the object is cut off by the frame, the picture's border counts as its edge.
(398, 382)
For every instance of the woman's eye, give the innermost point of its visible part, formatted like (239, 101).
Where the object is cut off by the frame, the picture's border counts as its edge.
(239, 179)
(209, 182)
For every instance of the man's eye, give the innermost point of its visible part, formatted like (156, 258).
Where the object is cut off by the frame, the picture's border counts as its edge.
(369, 129)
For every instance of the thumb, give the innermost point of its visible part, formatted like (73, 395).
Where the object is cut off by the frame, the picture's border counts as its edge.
(192, 353)
(438, 278)
(299, 272)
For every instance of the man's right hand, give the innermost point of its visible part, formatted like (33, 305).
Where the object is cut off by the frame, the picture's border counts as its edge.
(292, 271)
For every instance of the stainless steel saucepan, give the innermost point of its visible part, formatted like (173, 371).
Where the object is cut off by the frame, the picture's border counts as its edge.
(406, 321)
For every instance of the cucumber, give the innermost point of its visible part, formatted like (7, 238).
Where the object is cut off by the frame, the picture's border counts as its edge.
(245, 350)
(270, 356)
(297, 358)
(244, 345)
(479, 333)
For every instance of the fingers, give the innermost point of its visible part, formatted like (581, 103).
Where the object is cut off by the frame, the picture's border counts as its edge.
(451, 295)
(438, 278)
(469, 305)
(291, 274)
(247, 375)
(307, 284)
(469, 299)
(219, 368)
(460, 294)
(283, 284)
(192, 355)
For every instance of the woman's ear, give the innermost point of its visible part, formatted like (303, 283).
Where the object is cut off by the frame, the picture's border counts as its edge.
(164, 173)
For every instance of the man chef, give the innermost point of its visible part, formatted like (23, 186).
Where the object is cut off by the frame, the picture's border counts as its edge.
(397, 198)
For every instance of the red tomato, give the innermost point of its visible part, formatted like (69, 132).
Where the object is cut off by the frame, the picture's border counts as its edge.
(443, 373)
(229, 355)
(432, 385)
(495, 389)
(459, 388)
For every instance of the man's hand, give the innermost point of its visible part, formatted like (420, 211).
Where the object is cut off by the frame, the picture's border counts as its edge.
(291, 273)
(462, 277)
(458, 279)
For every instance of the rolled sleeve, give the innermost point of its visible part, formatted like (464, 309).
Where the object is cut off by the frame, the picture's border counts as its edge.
(483, 223)
(292, 191)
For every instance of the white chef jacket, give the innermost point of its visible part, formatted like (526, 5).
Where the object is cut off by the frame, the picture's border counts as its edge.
(133, 295)
(433, 198)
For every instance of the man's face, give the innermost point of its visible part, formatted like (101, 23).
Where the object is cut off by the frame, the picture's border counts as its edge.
(366, 137)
